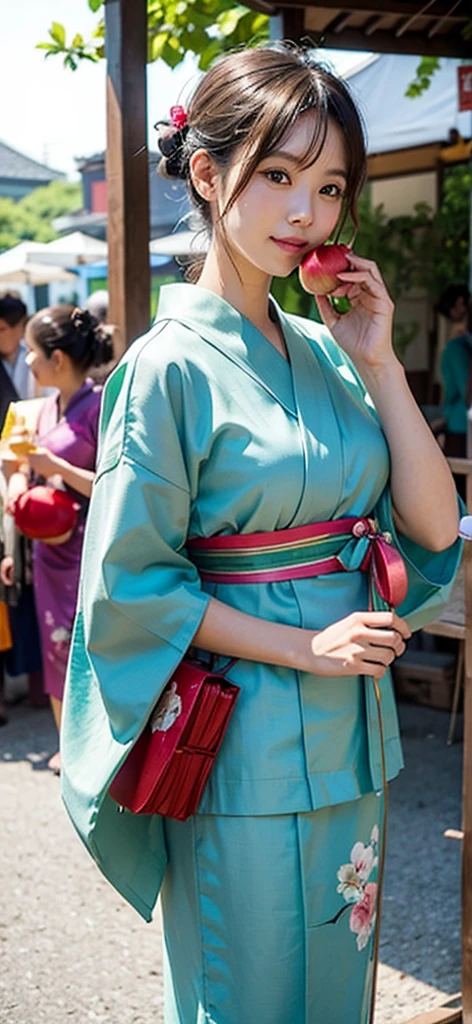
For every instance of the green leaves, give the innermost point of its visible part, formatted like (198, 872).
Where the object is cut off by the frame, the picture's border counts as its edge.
(78, 49)
(424, 73)
(206, 28)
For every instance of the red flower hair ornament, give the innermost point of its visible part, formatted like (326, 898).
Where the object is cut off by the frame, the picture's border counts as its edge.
(178, 117)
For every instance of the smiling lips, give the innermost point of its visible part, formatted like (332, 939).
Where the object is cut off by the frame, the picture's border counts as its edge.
(291, 244)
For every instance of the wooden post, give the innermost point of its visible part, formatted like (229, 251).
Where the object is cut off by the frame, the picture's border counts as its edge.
(293, 23)
(127, 167)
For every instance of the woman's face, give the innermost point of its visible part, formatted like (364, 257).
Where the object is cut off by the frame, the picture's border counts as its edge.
(43, 369)
(285, 210)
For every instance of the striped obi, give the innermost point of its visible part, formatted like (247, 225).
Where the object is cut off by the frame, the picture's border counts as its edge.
(342, 545)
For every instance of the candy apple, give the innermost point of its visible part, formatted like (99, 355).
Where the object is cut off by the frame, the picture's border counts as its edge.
(319, 269)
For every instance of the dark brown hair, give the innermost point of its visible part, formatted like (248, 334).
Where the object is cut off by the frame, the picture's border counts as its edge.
(12, 308)
(74, 331)
(248, 102)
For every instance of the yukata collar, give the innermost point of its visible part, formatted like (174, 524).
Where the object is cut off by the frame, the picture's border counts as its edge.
(84, 390)
(236, 337)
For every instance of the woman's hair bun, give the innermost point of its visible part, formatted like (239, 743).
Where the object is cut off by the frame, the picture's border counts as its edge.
(94, 334)
(171, 141)
(83, 322)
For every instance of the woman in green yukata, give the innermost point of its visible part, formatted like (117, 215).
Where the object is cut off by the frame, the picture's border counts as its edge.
(231, 418)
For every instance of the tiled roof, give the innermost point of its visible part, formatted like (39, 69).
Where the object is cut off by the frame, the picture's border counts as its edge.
(18, 167)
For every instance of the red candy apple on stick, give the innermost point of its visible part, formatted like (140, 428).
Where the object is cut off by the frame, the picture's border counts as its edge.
(319, 269)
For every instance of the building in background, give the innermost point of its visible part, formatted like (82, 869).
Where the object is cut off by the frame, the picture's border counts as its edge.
(167, 199)
(20, 175)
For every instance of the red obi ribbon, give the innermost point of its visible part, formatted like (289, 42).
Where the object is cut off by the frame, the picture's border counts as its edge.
(301, 552)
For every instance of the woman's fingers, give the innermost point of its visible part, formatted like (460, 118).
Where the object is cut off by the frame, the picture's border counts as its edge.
(373, 668)
(361, 262)
(385, 638)
(327, 312)
(384, 620)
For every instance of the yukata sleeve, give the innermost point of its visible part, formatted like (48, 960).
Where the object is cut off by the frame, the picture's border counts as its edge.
(430, 575)
(141, 597)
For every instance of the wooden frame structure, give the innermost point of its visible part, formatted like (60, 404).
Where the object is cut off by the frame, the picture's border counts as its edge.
(427, 27)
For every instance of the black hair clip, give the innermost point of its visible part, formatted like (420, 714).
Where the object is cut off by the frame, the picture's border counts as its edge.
(83, 322)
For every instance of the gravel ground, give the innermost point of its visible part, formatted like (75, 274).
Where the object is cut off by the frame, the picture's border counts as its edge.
(72, 950)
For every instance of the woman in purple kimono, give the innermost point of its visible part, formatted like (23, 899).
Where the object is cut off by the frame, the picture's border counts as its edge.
(64, 344)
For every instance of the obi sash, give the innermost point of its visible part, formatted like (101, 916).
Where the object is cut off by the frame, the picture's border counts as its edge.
(300, 552)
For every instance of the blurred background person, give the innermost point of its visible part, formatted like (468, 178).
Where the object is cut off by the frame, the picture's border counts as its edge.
(98, 305)
(456, 367)
(16, 379)
(18, 383)
(64, 344)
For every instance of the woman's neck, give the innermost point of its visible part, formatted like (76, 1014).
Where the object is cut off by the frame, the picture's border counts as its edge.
(246, 288)
(68, 390)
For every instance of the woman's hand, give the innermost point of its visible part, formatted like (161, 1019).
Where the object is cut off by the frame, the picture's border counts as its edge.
(43, 462)
(364, 643)
(7, 571)
(17, 485)
(365, 333)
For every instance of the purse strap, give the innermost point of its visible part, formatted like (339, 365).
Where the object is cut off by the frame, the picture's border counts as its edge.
(226, 668)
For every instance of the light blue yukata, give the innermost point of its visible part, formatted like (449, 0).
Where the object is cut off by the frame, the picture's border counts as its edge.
(268, 892)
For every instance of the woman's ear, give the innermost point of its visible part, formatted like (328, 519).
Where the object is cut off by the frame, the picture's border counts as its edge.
(58, 360)
(204, 175)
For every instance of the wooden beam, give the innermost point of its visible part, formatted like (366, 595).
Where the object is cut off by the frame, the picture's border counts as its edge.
(414, 17)
(127, 167)
(338, 23)
(391, 7)
(386, 42)
(439, 24)
(416, 160)
(373, 24)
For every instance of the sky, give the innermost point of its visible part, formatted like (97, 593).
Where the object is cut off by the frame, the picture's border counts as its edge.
(55, 115)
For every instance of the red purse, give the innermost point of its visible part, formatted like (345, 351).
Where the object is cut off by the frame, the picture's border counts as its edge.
(166, 770)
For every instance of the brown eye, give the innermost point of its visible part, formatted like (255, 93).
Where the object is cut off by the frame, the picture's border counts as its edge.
(333, 191)
(277, 177)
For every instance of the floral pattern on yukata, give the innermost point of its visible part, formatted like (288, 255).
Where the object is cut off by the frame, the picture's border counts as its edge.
(359, 893)
(60, 639)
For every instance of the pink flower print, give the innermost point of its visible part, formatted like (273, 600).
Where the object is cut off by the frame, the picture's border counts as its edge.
(49, 618)
(362, 918)
(364, 860)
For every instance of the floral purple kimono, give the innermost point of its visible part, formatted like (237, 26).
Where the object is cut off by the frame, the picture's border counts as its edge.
(56, 567)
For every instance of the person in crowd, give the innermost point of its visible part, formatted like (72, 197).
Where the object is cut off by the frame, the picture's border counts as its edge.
(16, 379)
(251, 463)
(5, 630)
(63, 344)
(456, 367)
(18, 383)
(97, 304)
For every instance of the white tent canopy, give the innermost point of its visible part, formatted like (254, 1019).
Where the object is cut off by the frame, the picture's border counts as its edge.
(179, 243)
(393, 120)
(71, 250)
(20, 265)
